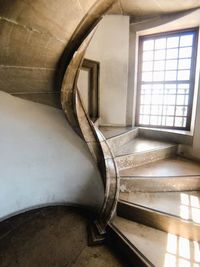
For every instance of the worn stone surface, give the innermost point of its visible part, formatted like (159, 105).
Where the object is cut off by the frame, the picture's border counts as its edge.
(51, 237)
(33, 38)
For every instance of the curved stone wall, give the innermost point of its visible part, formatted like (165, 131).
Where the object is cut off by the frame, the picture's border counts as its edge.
(43, 162)
(33, 37)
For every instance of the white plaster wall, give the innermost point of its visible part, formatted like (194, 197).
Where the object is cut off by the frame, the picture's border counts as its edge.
(42, 161)
(110, 46)
(83, 84)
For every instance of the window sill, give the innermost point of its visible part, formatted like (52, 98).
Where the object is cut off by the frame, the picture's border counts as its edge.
(170, 135)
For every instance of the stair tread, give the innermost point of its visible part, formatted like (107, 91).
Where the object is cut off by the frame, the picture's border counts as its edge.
(110, 131)
(164, 168)
(185, 205)
(139, 145)
(160, 248)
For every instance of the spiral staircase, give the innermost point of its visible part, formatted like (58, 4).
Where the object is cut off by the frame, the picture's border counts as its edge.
(151, 209)
(151, 206)
(157, 221)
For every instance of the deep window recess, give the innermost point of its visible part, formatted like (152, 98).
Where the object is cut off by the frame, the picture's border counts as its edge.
(166, 79)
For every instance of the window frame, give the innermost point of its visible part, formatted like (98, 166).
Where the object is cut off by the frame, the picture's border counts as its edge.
(191, 82)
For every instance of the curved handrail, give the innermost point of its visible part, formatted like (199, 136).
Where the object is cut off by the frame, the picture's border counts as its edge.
(81, 123)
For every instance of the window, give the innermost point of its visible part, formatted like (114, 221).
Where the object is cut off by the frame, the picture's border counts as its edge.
(166, 79)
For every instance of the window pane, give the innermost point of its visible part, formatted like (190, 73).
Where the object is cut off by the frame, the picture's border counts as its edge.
(171, 64)
(164, 120)
(146, 86)
(160, 54)
(146, 89)
(169, 121)
(146, 92)
(182, 100)
(147, 66)
(159, 65)
(172, 53)
(156, 109)
(179, 121)
(184, 63)
(148, 45)
(183, 89)
(157, 89)
(153, 120)
(183, 75)
(170, 100)
(160, 43)
(145, 99)
(170, 75)
(170, 110)
(144, 109)
(184, 122)
(144, 119)
(148, 55)
(181, 111)
(170, 89)
(147, 76)
(186, 40)
(185, 52)
(158, 76)
(156, 99)
(172, 42)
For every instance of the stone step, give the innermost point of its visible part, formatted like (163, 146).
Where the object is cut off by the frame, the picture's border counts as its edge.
(113, 131)
(160, 184)
(185, 204)
(143, 151)
(122, 139)
(178, 224)
(154, 247)
(175, 174)
(173, 167)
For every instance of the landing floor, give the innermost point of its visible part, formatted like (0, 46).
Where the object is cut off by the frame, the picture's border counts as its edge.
(51, 237)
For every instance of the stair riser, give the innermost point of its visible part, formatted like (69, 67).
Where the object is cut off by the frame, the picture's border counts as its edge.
(161, 221)
(139, 159)
(138, 184)
(120, 140)
(117, 240)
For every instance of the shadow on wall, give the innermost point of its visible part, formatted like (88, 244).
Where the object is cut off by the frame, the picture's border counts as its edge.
(43, 162)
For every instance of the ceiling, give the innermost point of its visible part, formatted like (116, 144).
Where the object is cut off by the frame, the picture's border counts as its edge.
(139, 8)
